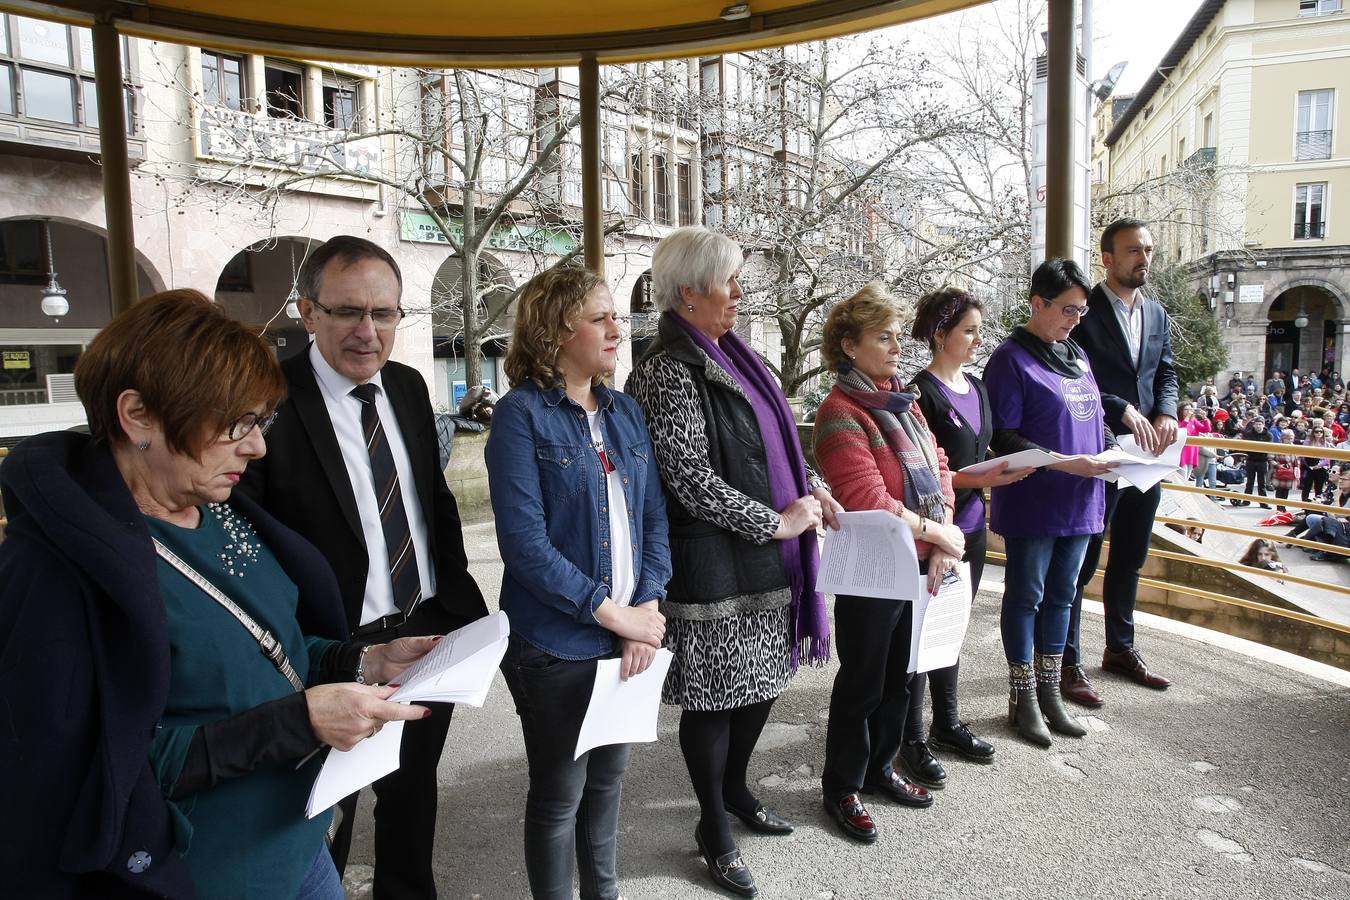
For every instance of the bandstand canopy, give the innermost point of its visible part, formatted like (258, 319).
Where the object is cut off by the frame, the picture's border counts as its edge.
(477, 33)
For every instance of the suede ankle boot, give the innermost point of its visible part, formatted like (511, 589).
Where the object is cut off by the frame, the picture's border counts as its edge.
(1024, 712)
(1051, 701)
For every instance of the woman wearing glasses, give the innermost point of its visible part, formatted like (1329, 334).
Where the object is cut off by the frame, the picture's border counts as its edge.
(1042, 396)
(143, 721)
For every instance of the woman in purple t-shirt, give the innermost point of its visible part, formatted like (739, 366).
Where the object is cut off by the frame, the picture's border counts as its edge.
(1042, 395)
(956, 406)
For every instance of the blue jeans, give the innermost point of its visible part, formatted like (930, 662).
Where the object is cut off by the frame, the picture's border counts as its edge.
(572, 808)
(1038, 590)
(1327, 529)
(321, 881)
(1207, 471)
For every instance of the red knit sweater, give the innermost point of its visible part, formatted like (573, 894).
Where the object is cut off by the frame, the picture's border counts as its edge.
(862, 469)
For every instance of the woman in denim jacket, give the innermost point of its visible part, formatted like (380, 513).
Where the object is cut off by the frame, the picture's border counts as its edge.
(581, 525)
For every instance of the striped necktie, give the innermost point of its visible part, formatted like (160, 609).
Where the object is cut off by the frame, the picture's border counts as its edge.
(398, 541)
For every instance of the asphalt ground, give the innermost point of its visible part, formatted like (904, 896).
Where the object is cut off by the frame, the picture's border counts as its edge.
(1232, 784)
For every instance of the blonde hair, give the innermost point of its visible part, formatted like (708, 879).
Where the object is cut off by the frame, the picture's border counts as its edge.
(871, 309)
(550, 304)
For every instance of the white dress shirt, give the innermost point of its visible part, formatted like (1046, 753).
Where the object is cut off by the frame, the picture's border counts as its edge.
(344, 411)
(1131, 320)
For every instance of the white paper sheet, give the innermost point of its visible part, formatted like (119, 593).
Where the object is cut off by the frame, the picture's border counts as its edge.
(459, 669)
(346, 772)
(1141, 469)
(623, 712)
(1022, 459)
(871, 555)
(940, 624)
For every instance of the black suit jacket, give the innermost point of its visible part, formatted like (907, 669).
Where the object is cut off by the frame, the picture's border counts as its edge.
(1151, 385)
(303, 482)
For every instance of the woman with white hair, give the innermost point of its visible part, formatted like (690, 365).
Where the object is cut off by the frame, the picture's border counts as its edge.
(741, 608)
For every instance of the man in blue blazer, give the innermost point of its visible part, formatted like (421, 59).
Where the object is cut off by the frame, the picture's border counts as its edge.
(1128, 342)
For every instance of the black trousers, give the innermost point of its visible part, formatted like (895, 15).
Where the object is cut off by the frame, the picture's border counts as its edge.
(405, 799)
(870, 700)
(941, 683)
(1129, 516)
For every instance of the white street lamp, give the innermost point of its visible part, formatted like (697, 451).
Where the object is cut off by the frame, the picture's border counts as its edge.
(54, 301)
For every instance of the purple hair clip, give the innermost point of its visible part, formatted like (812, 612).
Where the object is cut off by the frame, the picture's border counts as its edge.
(946, 320)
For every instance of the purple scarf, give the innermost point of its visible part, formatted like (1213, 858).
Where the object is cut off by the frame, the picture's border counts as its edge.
(787, 482)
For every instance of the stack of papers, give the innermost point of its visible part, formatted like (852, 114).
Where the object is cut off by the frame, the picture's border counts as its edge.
(459, 669)
(940, 624)
(872, 554)
(1135, 467)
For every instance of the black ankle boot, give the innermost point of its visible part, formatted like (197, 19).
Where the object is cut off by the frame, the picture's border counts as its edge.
(1049, 671)
(1024, 714)
(1052, 707)
(922, 766)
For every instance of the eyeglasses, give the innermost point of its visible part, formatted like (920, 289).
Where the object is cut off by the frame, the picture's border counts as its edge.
(351, 316)
(240, 427)
(1070, 312)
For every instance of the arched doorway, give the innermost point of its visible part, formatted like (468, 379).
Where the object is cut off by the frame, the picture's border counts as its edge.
(496, 290)
(38, 351)
(256, 283)
(642, 316)
(1305, 331)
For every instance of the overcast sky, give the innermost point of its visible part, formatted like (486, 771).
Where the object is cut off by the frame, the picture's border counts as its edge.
(1139, 31)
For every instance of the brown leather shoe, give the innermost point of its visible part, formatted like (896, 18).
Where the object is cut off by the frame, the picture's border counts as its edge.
(1074, 685)
(1132, 666)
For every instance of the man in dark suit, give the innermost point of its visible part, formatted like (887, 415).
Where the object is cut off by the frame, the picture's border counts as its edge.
(352, 464)
(1128, 343)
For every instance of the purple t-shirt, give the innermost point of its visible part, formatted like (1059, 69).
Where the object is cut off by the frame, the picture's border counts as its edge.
(1060, 414)
(971, 517)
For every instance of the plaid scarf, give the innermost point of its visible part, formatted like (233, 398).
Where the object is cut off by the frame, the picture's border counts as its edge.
(905, 434)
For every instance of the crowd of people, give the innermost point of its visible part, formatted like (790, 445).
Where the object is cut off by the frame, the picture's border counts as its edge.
(158, 554)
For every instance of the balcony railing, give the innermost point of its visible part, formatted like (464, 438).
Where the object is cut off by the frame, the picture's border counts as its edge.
(1203, 158)
(1312, 145)
(1310, 230)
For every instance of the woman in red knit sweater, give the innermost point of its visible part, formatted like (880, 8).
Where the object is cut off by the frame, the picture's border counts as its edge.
(874, 448)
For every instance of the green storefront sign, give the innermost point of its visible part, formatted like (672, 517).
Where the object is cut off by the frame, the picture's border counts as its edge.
(421, 228)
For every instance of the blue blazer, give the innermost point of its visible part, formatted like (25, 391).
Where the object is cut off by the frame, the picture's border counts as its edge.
(1150, 385)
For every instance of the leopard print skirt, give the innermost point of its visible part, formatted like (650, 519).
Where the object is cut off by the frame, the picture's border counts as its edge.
(728, 662)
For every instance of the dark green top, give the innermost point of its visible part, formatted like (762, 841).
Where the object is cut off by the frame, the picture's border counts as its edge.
(246, 837)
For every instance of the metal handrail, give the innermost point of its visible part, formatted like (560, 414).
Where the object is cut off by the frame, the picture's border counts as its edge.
(1189, 591)
(1241, 495)
(1250, 570)
(1268, 447)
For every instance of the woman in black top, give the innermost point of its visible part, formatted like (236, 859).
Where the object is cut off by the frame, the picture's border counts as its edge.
(957, 409)
(1256, 462)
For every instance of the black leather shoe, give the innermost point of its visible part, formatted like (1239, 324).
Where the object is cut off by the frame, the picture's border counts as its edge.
(922, 766)
(901, 790)
(852, 818)
(728, 871)
(763, 820)
(962, 742)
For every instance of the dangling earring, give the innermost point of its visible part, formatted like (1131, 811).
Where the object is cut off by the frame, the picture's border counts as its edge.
(689, 307)
(143, 446)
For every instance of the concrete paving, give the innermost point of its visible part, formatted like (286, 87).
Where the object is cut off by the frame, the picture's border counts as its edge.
(1232, 784)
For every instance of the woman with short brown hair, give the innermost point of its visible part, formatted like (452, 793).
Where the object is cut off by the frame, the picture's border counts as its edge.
(130, 566)
(873, 445)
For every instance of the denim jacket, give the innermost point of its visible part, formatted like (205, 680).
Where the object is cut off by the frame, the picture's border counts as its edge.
(550, 499)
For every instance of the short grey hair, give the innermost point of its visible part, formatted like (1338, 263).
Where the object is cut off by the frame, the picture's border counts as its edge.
(691, 257)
